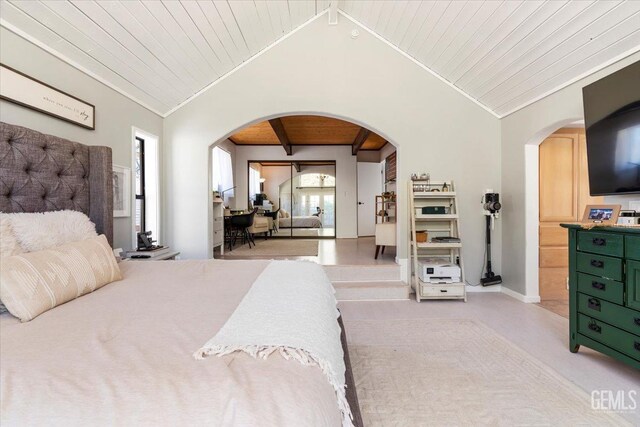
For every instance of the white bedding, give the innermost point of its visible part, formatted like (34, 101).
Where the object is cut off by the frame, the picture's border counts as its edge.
(278, 316)
(301, 222)
(123, 355)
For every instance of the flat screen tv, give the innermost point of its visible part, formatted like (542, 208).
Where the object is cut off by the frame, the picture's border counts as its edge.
(612, 121)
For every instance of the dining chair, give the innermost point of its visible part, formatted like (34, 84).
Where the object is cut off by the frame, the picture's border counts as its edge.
(240, 225)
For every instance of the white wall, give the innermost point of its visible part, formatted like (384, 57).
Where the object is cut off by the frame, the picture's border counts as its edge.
(532, 125)
(274, 176)
(365, 81)
(115, 114)
(346, 177)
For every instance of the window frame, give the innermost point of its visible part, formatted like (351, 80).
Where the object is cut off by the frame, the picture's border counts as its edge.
(142, 196)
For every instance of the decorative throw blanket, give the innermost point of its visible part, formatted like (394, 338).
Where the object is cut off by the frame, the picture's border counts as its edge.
(291, 309)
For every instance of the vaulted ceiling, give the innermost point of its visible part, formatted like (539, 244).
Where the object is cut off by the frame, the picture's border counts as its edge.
(158, 52)
(505, 54)
(502, 54)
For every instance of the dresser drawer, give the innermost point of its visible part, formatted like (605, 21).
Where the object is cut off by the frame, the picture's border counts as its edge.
(600, 265)
(601, 243)
(632, 247)
(622, 317)
(218, 237)
(600, 287)
(610, 336)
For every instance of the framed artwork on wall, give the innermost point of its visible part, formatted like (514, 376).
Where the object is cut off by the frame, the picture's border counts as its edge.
(121, 191)
(28, 92)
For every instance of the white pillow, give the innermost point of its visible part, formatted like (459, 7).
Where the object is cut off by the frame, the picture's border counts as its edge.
(32, 283)
(46, 230)
(9, 246)
(8, 243)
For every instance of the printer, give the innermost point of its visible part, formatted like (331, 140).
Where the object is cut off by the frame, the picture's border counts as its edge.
(438, 272)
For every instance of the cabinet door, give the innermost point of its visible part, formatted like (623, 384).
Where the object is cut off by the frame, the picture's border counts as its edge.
(558, 165)
(633, 284)
(558, 178)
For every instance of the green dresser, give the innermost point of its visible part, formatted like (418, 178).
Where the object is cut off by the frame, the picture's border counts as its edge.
(604, 291)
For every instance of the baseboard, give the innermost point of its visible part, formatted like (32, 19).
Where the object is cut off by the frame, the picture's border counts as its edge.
(529, 299)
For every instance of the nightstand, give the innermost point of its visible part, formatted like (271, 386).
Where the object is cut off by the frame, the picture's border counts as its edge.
(167, 256)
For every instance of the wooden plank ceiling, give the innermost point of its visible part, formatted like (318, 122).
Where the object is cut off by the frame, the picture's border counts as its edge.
(503, 54)
(309, 130)
(159, 53)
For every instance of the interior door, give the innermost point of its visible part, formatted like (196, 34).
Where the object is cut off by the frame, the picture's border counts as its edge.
(369, 185)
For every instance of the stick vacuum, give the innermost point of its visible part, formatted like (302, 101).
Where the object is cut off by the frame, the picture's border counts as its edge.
(491, 205)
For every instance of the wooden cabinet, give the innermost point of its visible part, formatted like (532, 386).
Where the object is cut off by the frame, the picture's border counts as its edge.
(563, 195)
(604, 291)
(558, 178)
(633, 285)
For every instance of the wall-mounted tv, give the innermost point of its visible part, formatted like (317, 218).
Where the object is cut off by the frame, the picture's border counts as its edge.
(612, 121)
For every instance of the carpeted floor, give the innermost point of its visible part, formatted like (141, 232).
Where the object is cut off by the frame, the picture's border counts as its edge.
(275, 247)
(441, 372)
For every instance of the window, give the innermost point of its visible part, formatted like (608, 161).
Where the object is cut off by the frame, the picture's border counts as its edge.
(222, 173)
(146, 175)
(317, 180)
(254, 183)
(139, 172)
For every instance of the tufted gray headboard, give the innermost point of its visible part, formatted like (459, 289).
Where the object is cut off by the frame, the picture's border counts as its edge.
(40, 173)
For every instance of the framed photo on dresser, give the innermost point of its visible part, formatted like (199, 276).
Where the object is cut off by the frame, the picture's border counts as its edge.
(601, 214)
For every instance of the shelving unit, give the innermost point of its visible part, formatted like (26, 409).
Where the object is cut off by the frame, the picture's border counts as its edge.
(218, 224)
(447, 224)
(386, 206)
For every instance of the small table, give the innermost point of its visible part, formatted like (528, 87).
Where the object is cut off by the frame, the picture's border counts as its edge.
(171, 255)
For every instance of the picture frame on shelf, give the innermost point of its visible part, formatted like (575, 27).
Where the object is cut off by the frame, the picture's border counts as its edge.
(121, 191)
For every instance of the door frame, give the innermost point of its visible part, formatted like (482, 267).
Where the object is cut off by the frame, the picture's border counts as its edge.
(532, 207)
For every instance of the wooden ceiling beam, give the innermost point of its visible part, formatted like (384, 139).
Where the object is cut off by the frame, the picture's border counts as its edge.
(361, 137)
(278, 128)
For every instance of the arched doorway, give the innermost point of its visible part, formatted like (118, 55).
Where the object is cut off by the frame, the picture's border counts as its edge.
(297, 143)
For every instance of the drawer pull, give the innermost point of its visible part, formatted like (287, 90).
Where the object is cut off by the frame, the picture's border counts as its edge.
(636, 345)
(597, 263)
(595, 327)
(598, 285)
(636, 320)
(599, 241)
(593, 304)
(443, 290)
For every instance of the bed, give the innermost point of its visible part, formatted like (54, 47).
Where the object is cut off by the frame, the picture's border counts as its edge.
(123, 354)
(300, 222)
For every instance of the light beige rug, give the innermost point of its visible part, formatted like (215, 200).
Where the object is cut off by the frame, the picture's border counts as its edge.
(458, 373)
(275, 247)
